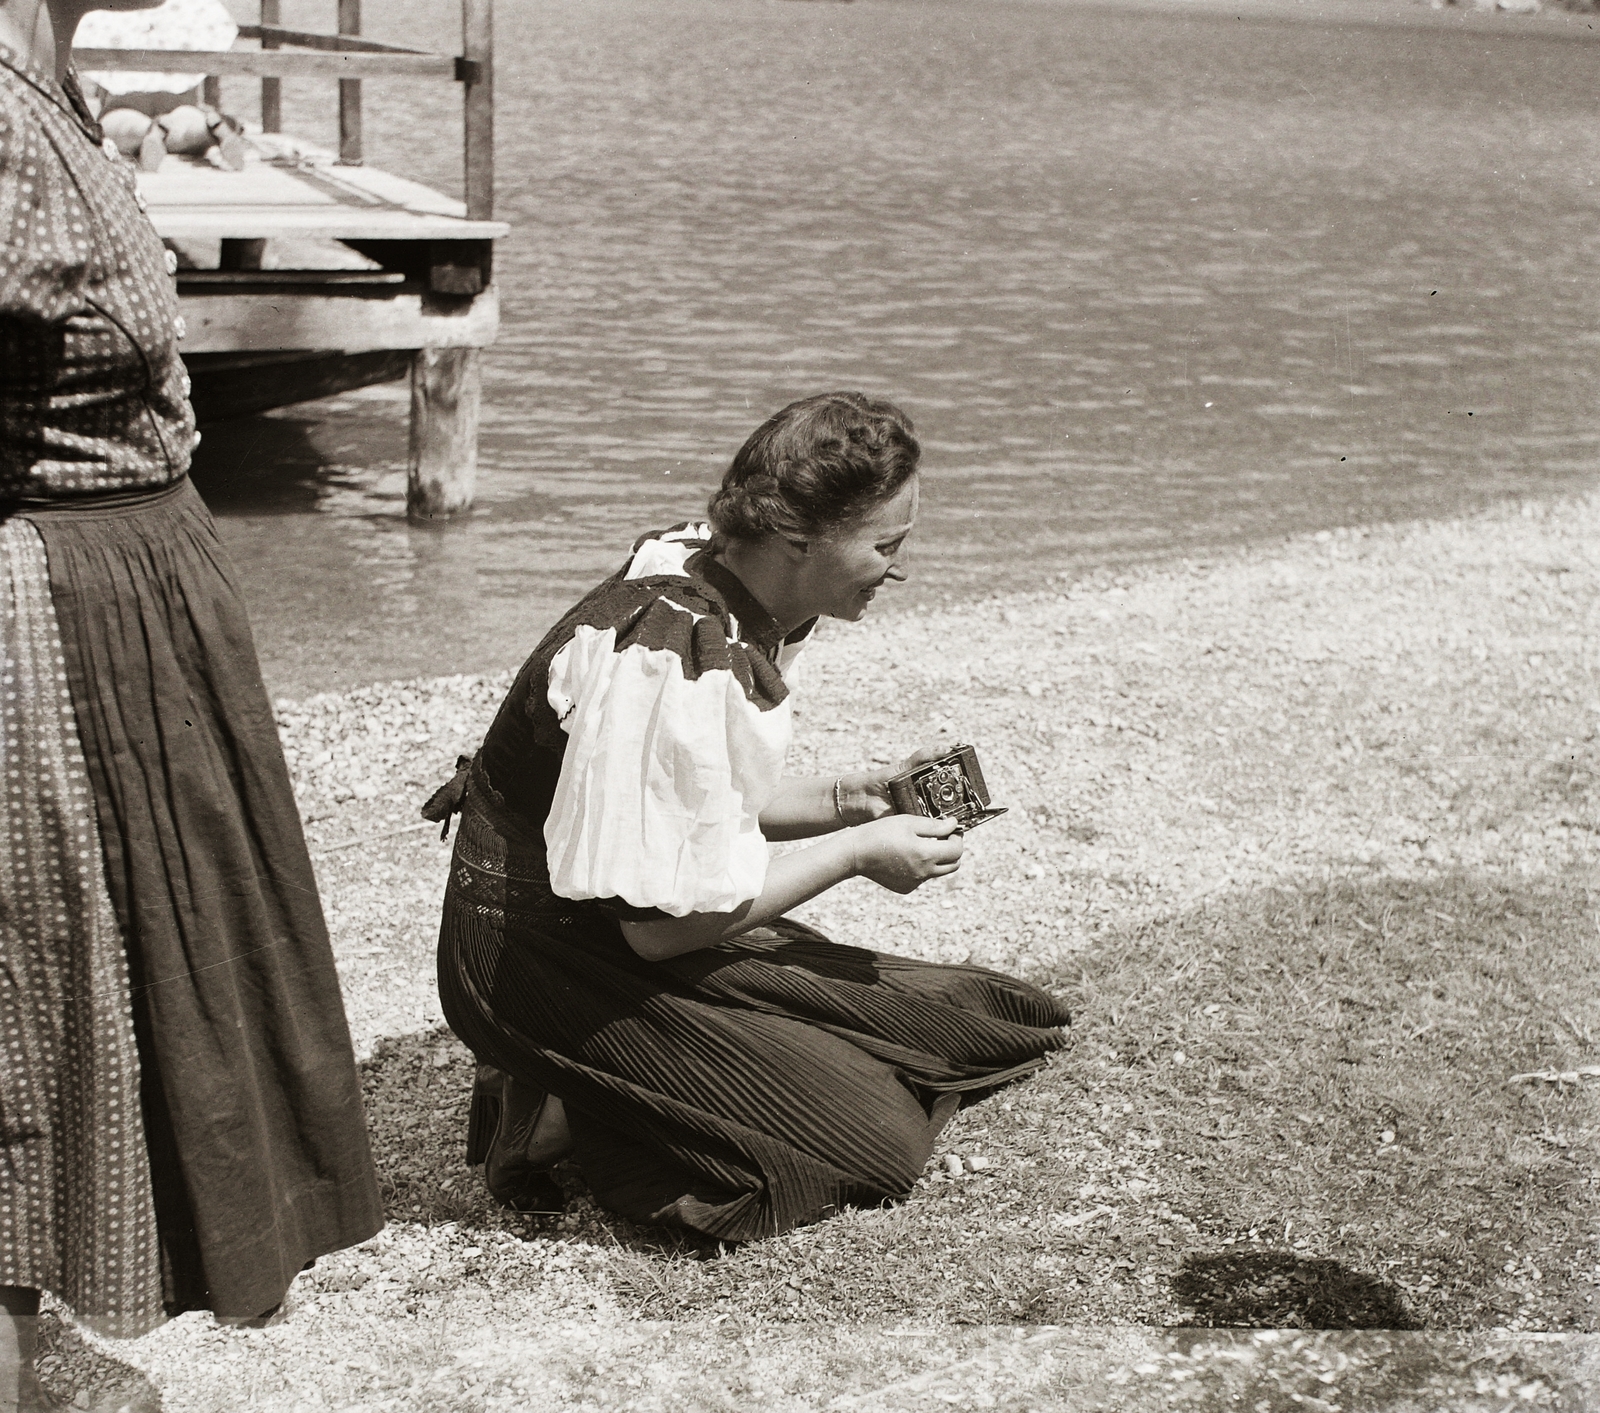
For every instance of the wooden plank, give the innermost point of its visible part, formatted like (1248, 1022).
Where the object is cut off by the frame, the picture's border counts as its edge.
(374, 186)
(274, 34)
(316, 199)
(231, 321)
(270, 63)
(311, 223)
(297, 174)
(317, 182)
(477, 96)
(350, 92)
(294, 278)
(446, 393)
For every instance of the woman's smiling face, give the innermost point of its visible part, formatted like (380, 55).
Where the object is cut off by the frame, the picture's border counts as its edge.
(842, 570)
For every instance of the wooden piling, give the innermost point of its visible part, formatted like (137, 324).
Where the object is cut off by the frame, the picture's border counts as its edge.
(271, 88)
(477, 60)
(350, 92)
(447, 383)
(446, 392)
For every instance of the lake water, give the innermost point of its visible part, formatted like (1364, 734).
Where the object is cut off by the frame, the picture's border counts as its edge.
(1149, 283)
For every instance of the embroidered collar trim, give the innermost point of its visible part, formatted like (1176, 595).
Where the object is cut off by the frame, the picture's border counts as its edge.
(756, 626)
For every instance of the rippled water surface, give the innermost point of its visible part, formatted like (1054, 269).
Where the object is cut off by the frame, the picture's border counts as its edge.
(1147, 283)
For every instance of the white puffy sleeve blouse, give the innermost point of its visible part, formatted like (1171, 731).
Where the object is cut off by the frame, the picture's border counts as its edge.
(677, 727)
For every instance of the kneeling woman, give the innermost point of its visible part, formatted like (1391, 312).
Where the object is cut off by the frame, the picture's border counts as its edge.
(614, 947)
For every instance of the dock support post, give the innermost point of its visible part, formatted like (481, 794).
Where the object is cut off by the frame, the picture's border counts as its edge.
(271, 88)
(446, 389)
(477, 49)
(350, 92)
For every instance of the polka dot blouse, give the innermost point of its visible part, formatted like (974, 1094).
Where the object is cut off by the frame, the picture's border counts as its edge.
(93, 395)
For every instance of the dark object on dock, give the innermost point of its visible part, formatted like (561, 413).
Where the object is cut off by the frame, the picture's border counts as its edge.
(422, 301)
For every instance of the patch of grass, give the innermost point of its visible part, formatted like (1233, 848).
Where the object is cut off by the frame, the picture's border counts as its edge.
(1289, 1107)
(1348, 1048)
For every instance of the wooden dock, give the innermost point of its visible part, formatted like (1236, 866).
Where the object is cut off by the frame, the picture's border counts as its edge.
(414, 292)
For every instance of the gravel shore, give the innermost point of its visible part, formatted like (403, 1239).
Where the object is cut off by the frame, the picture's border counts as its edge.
(1394, 700)
(1402, 702)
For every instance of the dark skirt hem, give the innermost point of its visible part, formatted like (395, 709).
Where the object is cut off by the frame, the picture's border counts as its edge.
(253, 1115)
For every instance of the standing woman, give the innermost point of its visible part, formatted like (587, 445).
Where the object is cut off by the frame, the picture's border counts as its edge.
(615, 948)
(180, 1113)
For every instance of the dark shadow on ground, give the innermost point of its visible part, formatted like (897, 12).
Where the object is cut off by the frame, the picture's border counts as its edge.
(417, 1090)
(75, 1373)
(1336, 1061)
(1276, 1290)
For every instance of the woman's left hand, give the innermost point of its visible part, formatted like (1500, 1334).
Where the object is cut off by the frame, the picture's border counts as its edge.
(864, 796)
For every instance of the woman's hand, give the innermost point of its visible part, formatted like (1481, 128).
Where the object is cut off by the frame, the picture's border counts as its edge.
(865, 795)
(901, 852)
(897, 851)
(805, 808)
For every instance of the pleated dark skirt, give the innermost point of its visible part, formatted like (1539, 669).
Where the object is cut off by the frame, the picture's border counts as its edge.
(247, 1087)
(741, 1090)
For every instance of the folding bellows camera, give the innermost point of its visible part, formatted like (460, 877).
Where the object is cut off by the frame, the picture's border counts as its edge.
(950, 787)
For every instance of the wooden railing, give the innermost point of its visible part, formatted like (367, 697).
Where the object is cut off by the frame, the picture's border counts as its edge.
(292, 53)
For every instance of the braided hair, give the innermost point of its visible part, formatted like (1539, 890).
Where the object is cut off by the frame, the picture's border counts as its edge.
(816, 465)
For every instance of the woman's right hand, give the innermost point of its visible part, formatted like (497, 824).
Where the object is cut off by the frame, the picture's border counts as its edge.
(901, 852)
(867, 793)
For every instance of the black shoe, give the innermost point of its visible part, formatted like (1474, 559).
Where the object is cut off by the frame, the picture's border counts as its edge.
(500, 1129)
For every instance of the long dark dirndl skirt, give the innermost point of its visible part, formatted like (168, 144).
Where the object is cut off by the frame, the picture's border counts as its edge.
(741, 1090)
(180, 1112)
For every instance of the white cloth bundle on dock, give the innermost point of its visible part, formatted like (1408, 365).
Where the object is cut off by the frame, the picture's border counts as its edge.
(176, 24)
